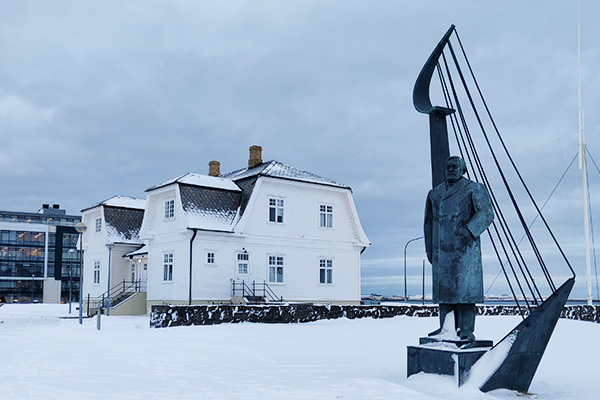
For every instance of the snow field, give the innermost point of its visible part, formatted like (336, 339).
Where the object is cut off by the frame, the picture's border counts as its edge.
(45, 357)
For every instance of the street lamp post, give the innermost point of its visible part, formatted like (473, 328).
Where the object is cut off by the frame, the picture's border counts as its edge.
(109, 246)
(32, 284)
(71, 251)
(405, 246)
(81, 228)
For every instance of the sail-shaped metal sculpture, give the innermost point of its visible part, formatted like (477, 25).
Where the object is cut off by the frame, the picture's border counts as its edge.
(438, 130)
(529, 339)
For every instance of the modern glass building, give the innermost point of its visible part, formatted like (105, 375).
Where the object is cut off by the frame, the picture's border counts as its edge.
(39, 259)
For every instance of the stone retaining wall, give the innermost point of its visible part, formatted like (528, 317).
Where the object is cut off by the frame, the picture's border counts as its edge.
(163, 316)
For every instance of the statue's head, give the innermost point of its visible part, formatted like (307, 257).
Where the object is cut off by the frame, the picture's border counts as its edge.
(455, 168)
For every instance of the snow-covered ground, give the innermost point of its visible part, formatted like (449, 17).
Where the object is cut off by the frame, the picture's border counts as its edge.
(45, 357)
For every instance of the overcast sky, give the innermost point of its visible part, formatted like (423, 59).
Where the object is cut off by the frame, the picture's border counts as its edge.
(112, 97)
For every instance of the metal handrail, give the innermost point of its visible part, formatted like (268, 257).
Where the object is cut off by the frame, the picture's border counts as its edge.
(256, 290)
(241, 286)
(118, 290)
(267, 292)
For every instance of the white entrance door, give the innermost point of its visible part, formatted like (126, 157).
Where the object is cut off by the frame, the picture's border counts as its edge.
(242, 269)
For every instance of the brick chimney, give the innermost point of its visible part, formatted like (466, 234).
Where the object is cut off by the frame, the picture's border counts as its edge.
(255, 156)
(214, 168)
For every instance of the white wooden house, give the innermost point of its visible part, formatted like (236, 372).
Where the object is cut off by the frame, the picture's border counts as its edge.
(114, 221)
(268, 230)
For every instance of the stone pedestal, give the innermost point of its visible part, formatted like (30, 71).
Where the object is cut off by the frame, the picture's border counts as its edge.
(445, 357)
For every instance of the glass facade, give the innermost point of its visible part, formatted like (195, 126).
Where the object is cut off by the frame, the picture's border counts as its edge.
(29, 255)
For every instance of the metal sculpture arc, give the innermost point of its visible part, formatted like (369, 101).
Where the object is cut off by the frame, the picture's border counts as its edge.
(530, 338)
(438, 131)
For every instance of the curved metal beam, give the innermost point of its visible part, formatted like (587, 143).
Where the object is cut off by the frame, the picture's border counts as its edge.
(421, 99)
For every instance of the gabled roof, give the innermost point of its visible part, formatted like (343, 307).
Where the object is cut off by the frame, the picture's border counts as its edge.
(200, 180)
(275, 169)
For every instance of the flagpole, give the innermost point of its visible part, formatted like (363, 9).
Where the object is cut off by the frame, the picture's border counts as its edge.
(583, 165)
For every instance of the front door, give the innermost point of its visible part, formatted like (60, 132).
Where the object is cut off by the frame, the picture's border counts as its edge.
(242, 269)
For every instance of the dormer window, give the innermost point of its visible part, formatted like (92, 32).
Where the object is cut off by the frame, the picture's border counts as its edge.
(170, 209)
(276, 210)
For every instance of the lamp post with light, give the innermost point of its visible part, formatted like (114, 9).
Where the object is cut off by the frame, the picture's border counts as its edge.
(109, 246)
(405, 246)
(81, 228)
(71, 251)
(32, 286)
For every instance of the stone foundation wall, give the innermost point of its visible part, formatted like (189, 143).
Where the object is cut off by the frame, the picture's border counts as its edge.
(163, 316)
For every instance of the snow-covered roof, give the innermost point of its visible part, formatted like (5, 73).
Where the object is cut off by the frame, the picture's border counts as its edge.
(210, 208)
(200, 180)
(120, 201)
(123, 224)
(217, 203)
(275, 169)
(139, 252)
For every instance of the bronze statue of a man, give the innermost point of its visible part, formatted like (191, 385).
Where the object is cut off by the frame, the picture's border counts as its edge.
(456, 212)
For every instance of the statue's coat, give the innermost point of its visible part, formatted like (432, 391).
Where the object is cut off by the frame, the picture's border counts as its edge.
(456, 259)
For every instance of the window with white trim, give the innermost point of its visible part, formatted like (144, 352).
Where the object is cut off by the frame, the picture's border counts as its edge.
(275, 210)
(169, 209)
(325, 216)
(325, 271)
(275, 269)
(98, 224)
(96, 272)
(210, 257)
(168, 267)
(243, 262)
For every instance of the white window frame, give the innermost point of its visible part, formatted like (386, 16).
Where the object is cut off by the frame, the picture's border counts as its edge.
(98, 225)
(242, 263)
(326, 216)
(168, 267)
(325, 271)
(96, 272)
(276, 209)
(210, 258)
(275, 264)
(169, 209)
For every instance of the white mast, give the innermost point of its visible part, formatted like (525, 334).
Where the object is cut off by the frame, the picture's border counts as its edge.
(583, 165)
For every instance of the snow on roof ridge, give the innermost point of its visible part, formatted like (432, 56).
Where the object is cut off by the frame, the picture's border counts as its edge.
(120, 201)
(195, 179)
(126, 202)
(242, 171)
(270, 168)
(208, 181)
(165, 183)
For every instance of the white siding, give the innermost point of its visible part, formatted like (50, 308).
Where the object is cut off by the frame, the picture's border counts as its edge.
(299, 239)
(94, 247)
